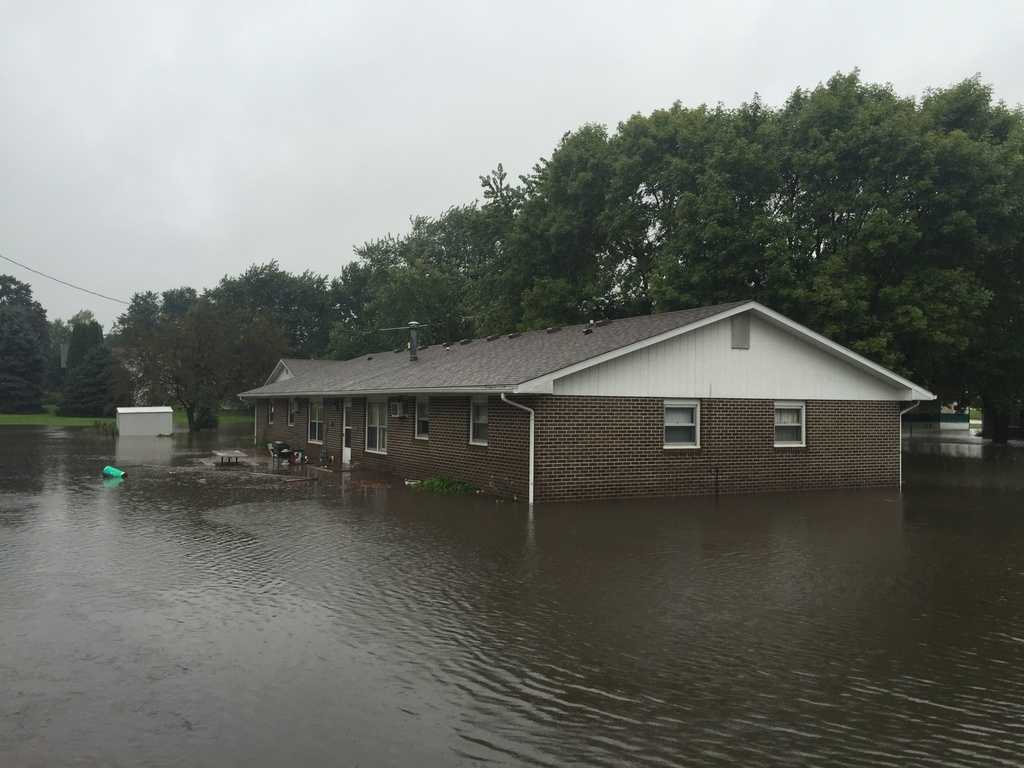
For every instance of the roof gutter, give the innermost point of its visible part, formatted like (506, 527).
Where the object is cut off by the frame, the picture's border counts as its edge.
(520, 406)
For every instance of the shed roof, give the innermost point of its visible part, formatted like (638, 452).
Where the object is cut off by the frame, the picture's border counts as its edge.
(147, 409)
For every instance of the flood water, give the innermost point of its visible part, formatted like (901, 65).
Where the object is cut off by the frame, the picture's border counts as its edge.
(199, 619)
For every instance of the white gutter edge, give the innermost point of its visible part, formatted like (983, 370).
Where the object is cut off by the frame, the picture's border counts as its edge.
(530, 411)
(908, 409)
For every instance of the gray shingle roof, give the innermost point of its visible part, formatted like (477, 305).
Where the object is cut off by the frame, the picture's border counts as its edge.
(501, 363)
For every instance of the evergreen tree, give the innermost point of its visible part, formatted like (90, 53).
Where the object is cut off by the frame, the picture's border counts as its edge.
(89, 387)
(24, 340)
(85, 335)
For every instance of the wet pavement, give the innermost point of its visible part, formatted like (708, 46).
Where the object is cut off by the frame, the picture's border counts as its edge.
(193, 618)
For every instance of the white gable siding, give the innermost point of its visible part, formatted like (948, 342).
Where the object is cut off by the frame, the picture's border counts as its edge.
(778, 365)
(280, 373)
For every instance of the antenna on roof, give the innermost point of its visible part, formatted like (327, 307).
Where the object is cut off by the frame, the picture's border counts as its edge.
(412, 327)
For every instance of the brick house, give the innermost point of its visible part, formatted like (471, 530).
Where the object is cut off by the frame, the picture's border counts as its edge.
(729, 398)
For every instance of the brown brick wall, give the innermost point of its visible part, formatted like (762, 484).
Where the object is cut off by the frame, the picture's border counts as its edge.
(607, 447)
(295, 435)
(500, 467)
(603, 447)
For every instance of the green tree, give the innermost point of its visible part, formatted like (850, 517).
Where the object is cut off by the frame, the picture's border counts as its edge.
(196, 356)
(24, 339)
(86, 335)
(60, 334)
(90, 389)
(297, 304)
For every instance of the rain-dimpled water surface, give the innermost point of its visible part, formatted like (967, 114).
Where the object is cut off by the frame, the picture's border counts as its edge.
(209, 619)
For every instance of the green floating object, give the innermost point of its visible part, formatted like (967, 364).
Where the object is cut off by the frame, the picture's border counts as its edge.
(114, 472)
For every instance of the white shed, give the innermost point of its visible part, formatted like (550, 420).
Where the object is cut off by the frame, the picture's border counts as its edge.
(147, 421)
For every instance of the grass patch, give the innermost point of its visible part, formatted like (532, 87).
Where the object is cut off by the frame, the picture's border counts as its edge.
(49, 418)
(223, 417)
(445, 486)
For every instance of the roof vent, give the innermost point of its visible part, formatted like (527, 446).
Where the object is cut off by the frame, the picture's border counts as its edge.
(602, 323)
(465, 341)
(740, 331)
(494, 336)
(588, 329)
(515, 335)
(553, 329)
(369, 357)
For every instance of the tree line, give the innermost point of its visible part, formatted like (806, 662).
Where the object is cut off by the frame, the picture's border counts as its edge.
(893, 225)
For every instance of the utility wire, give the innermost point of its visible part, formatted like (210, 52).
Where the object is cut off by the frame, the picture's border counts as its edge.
(62, 282)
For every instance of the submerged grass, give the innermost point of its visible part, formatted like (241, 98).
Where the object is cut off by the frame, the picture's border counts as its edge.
(446, 486)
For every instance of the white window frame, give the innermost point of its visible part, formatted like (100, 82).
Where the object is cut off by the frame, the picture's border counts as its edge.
(791, 405)
(293, 408)
(475, 401)
(416, 426)
(382, 428)
(270, 411)
(695, 404)
(313, 404)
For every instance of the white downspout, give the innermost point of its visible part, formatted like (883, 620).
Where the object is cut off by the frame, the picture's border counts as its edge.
(522, 407)
(908, 409)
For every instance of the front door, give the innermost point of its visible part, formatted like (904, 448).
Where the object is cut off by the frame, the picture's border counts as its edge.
(346, 431)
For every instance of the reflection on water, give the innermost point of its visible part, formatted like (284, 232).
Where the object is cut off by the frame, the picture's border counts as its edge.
(960, 461)
(199, 619)
(133, 451)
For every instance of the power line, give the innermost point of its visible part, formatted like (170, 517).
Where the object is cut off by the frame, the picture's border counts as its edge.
(63, 282)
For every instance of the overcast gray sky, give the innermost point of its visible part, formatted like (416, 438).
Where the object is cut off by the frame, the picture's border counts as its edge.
(151, 145)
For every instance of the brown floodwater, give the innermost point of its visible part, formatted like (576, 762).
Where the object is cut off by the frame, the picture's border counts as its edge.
(199, 619)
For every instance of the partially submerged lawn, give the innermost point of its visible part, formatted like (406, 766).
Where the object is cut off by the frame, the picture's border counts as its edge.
(224, 417)
(49, 418)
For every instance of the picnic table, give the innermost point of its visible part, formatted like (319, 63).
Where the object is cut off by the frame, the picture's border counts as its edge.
(228, 457)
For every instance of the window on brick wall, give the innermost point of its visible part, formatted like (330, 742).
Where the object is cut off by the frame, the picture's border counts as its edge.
(790, 424)
(478, 421)
(293, 408)
(682, 424)
(422, 418)
(376, 427)
(315, 433)
(270, 411)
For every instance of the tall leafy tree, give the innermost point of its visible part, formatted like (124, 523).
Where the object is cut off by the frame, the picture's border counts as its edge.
(299, 304)
(193, 351)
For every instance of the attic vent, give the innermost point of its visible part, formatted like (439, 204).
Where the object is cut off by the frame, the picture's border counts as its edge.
(369, 357)
(494, 336)
(740, 331)
(602, 323)
(515, 335)
(553, 329)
